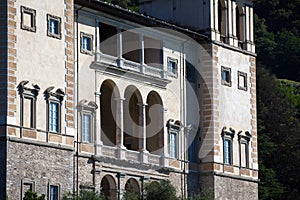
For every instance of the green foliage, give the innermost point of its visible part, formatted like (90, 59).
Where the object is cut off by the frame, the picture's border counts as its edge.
(130, 4)
(85, 193)
(162, 190)
(278, 137)
(30, 195)
(204, 195)
(127, 195)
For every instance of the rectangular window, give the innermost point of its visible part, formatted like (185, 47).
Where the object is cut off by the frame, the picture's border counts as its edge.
(242, 81)
(226, 76)
(173, 145)
(28, 112)
(53, 117)
(54, 26)
(54, 192)
(172, 67)
(227, 151)
(86, 128)
(28, 19)
(190, 72)
(86, 43)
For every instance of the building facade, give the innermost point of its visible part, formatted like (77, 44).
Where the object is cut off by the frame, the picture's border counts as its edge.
(95, 94)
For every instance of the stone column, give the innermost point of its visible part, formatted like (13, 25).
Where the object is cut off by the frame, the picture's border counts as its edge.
(229, 23)
(120, 128)
(234, 31)
(98, 52)
(216, 22)
(143, 134)
(142, 52)
(120, 61)
(165, 156)
(98, 141)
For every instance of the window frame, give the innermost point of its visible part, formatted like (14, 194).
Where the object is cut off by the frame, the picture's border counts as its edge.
(58, 114)
(226, 82)
(58, 20)
(228, 136)
(26, 181)
(175, 148)
(53, 97)
(244, 139)
(174, 127)
(173, 72)
(89, 37)
(243, 74)
(28, 93)
(32, 12)
(90, 127)
(49, 190)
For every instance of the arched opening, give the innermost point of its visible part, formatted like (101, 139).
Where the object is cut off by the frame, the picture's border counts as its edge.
(239, 23)
(108, 187)
(108, 109)
(132, 118)
(222, 19)
(154, 122)
(132, 186)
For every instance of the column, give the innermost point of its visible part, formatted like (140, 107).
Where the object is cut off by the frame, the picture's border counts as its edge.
(165, 160)
(216, 24)
(234, 31)
(229, 23)
(143, 134)
(98, 53)
(120, 61)
(142, 52)
(247, 27)
(120, 128)
(98, 141)
(251, 30)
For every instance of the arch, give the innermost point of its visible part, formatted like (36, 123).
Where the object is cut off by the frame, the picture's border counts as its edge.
(108, 109)
(132, 117)
(108, 187)
(240, 23)
(154, 122)
(222, 19)
(132, 186)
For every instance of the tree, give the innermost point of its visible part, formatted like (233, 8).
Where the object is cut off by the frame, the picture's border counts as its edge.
(86, 193)
(162, 190)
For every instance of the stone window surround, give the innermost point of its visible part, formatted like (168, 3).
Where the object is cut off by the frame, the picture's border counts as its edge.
(90, 37)
(245, 88)
(224, 82)
(29, 93)
(229, 135)
(88, 109)
(49, 187)
(55, 97)
(27, 181)
(58, 19)
(244, 139)
(171, 73)
(174, 127)
(32, 12)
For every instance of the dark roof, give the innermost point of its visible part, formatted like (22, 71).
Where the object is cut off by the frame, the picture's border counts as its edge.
(137, 17)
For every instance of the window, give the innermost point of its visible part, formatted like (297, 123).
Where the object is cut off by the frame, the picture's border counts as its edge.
(227, 151)
(172, 67)
(86, 43)
(27, 184)
(242, 81)
(173, 145)
(54, 100)
(53, 116)
(28, 97)
(86, 128)
(190, 72)
(53, 192)
(87, 111)
(226, 76)
(54, 26)
(227, 136)
(244, 139)
(28, 19)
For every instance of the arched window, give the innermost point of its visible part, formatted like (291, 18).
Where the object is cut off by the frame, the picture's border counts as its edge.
(154, 122)
(108, 187)
(222, 19)
(132, 118)
(240, 24)
(109, 93)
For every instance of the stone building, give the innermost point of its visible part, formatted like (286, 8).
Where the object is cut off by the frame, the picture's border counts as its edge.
(92, 93)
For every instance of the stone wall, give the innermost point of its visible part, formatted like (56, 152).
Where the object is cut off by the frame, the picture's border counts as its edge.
(40, 164)
(230, 188)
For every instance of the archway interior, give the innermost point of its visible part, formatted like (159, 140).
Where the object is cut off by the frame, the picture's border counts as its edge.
(108, 109)
(154, 122)
(132, 186)
(132, 118)
(108, 187)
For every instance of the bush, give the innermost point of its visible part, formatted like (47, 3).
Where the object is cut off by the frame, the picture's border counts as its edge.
(162, 190)
(29, 195)
(85, 193)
